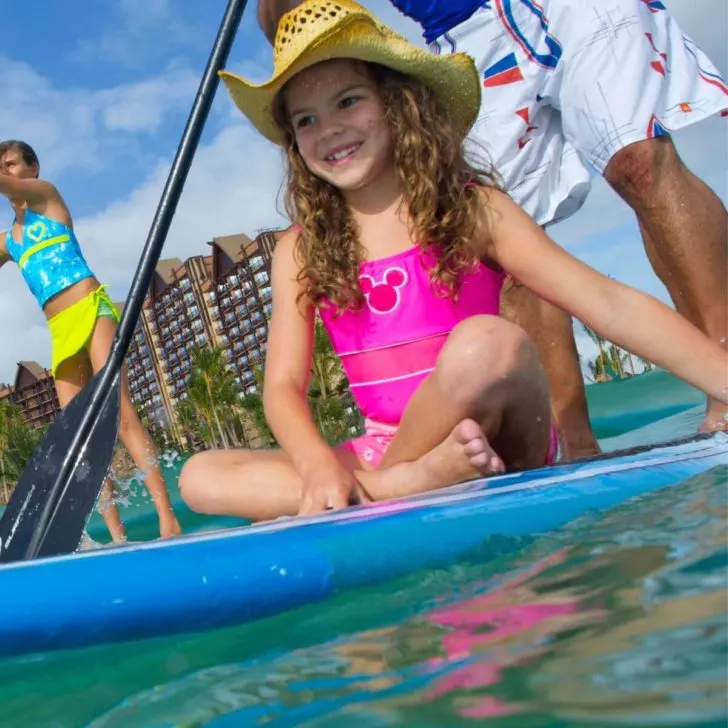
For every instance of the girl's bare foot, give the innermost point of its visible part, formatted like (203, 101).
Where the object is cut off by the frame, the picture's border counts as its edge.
(483, 458)
(464, 454)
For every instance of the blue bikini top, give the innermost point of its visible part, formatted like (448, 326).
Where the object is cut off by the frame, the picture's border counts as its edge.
(49, 256)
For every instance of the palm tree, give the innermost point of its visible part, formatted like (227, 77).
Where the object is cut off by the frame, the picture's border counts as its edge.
(253, 406)
(600, 342)
(610, 357)
(212, 389)
(214, 410)
(192, 425)
(327, 388)
(18, 441)
(201, 400)
(9, 414)
(597, 369)
(616, 359)
(326, 369)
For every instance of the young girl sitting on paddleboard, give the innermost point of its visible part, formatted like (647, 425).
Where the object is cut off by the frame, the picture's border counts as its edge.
(401, 246)
(81, 316)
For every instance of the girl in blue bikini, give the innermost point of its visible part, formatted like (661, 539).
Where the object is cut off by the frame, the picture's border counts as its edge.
(81, 316)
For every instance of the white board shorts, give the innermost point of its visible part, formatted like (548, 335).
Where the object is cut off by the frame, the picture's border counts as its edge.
(568, 83)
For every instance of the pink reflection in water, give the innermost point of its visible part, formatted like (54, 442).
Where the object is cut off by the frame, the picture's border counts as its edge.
(488, 624)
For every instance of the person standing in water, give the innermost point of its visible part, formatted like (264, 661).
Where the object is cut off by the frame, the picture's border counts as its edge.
(573, 84)
(81, 317)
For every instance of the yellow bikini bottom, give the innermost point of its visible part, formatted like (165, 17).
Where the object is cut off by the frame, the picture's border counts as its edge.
(71, 329)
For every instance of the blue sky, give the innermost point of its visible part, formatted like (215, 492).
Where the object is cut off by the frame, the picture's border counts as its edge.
(103, 95)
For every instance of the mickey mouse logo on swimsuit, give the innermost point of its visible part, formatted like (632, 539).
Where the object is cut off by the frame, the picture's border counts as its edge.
(383, 296)
(36, 231)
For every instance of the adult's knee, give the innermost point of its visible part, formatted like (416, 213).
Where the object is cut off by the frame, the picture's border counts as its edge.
(638, 171)
(482, 350)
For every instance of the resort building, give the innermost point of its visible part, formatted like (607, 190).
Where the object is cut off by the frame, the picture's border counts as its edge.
(222, 299)
(34, 391)
(242, 301)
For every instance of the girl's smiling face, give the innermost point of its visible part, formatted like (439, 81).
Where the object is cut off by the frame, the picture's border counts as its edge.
(340, 124)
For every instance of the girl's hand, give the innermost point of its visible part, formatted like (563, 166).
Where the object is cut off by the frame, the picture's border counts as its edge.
(329, 486)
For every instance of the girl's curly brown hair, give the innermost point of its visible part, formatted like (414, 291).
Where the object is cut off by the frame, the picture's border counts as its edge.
(440, 191)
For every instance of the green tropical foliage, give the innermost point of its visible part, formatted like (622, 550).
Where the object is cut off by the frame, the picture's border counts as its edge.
(211, 412)
(18, 440)
(331, 404)
(332, 407)
(253, 405)
(611, 362)
(214, 413)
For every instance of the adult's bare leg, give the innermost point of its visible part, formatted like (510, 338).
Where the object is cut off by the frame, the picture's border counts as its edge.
(685, 232)
(552, 331)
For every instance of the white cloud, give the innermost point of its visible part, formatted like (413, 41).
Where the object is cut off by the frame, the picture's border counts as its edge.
(231, 187)
(80, 128)
(150, 16)
(62, 122)
(142, 107)
(24, 333)
(136, 31)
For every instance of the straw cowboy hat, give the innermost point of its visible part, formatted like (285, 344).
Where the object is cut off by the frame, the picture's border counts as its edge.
(319, 30)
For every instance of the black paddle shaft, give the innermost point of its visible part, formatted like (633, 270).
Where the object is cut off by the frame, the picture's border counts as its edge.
(172, 191)
(107, 382)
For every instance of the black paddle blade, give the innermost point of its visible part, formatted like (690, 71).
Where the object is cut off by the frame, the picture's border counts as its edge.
(22, 523)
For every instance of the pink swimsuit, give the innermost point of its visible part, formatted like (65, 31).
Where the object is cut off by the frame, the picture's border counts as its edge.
(389, 346)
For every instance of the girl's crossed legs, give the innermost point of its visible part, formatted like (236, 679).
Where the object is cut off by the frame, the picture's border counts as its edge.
(487, 395)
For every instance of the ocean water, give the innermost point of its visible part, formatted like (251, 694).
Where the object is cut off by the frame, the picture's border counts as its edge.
(616, 619)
